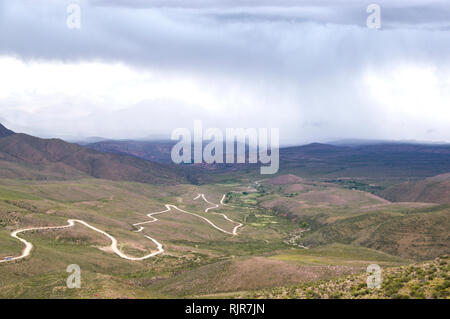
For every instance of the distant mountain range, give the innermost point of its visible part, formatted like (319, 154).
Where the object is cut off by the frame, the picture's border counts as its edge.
(29, 157)
(374, 167)
(361, 142)
(385, 164)
(158, 151)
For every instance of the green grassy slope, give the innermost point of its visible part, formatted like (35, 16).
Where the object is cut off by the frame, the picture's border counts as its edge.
(431, 190)
(422, 280)
(346, 230)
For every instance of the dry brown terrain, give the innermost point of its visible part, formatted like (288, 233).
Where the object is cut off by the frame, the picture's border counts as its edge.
(431, 190)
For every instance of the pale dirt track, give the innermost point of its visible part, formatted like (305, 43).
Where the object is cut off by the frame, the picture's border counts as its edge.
(234, 232)
(71, 222)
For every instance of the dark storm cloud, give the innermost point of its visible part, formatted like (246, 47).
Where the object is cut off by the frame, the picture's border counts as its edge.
(311, 54)
(333, 11)
(229, 38)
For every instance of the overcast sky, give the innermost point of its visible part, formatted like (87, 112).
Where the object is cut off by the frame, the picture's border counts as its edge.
(311, 68)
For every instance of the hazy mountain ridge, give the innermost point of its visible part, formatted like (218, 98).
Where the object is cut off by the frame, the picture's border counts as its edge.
(157, 151)
(384, 164)
(25, 156)
(5, 132)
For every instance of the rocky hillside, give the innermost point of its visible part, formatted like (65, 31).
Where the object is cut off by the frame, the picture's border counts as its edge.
(430, 190)
(422, 280)
(25, 156)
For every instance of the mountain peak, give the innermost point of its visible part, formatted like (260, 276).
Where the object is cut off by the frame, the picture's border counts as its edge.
(4, 131)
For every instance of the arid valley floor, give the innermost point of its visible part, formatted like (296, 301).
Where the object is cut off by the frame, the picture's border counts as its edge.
(144, 230)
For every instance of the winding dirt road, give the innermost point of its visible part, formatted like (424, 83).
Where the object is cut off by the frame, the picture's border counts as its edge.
(29, 246)
(71, 222)
(217, 206)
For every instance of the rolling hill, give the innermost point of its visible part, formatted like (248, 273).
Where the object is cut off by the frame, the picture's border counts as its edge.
(28, 157)
(5, 132)
(333, 214)
(417, 281)
(430, 190)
